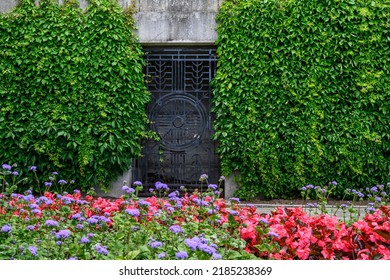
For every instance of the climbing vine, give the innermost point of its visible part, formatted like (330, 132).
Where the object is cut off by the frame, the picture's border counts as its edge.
(72, 90)
(302, 94)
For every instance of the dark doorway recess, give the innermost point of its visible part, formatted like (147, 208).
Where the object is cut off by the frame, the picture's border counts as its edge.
(180, 113)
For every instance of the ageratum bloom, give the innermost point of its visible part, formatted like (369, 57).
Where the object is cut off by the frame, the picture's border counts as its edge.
(84, 240)
(6, 228)
(161, 255)
(62, 234)
(51, 223)
(203, 177)
(6, 167)
(101, 249)
(33, 168)
(192, 244)
(176, 229)
(33, 250)
(161, 186)
(235, 199)
(132, 212)
(142, 202)
(127, 189)
(181, 255)
(92, 220)
(156, 244)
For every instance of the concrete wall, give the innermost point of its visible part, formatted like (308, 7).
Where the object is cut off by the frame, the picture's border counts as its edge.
(177, 21)
(165, 21)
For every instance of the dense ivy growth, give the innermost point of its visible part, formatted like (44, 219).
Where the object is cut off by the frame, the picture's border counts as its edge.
(72, 90)
(302, 94)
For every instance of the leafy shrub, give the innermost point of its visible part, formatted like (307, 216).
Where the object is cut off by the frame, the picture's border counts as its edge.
(302, 94)
(72, 90)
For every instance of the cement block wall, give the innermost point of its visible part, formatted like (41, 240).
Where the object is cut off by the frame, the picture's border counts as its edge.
(165, 21)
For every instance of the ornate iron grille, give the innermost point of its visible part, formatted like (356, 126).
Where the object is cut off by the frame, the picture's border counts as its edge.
(179, 80)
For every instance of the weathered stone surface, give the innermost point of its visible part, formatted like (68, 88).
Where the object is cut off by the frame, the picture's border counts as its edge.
(7, 5)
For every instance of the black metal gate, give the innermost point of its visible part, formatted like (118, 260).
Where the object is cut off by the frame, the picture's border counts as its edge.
(179, 80)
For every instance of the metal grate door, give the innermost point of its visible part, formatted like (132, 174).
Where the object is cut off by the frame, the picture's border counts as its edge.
(179, 80)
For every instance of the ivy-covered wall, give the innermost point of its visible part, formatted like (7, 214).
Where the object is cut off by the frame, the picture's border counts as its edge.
(72, 90)
(302, 94)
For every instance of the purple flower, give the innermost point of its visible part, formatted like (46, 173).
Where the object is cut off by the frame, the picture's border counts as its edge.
(173, 194)
(30, 227)
(192, 244)
(137, 183)
(222, 178)
(181, 255)
(374, 189)
(33, 250)
(235, 199)
(127, 189)
(84, 240)
(90, 235)
(161, 255)
(48, 184)
(62, 182)
(132, 212)
(6, 167)
(15, 173)
(160, 186)
(142, 202)
(33, 168)
(213, 186)
(79, 226)
(176, 229)
(92, 220)
(233, 212)
(76, 216)
(6, 228)
(264, 220)
(303, 188)
(134, 228)
(62, 234)
(216, 256)
(101, 249)
(51, 223)
(273, 234)
(156, 244)
(58, 243)
(203, 177)
(36, 211)
(207, 249)
(54, 173)
(73, 258)
(333, 183)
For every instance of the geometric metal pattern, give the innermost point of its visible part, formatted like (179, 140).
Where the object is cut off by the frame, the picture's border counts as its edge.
(180, 113)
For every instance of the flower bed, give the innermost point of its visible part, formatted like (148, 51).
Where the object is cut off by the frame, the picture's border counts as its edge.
(179, 226)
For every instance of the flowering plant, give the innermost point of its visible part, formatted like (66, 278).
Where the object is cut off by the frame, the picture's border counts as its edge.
(178, 225)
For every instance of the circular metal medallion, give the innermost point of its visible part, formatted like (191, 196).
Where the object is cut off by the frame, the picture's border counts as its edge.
(180, 120)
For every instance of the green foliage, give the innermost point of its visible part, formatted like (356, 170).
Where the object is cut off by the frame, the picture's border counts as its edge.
(72, 90)
(302, 94)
